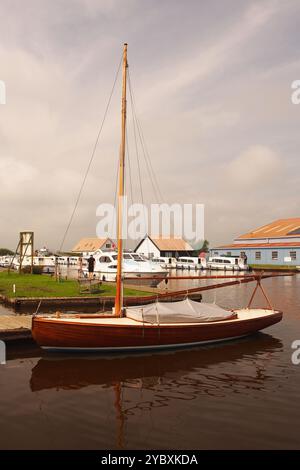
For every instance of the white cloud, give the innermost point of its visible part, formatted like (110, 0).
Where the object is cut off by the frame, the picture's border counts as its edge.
(13, 175)
(257, 165)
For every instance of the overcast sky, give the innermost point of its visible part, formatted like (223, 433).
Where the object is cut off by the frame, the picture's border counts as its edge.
(212, 83)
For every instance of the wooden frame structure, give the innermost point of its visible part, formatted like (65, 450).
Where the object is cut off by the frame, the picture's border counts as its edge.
(25, 246)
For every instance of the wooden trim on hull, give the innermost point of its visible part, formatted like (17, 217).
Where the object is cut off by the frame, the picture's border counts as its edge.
(61, 334)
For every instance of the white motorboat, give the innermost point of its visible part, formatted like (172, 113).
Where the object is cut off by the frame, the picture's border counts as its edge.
(5, 261)
(165, 262)
(47, 263)
(70, 261)
(190, 262)
(135, 268)
(227, 263)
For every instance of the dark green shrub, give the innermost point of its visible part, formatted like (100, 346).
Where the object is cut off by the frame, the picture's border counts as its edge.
(36, 270)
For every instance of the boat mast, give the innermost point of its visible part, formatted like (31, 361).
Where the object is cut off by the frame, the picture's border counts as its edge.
(119, 287)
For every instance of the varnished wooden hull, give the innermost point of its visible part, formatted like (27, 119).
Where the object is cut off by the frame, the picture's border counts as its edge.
(62, 334)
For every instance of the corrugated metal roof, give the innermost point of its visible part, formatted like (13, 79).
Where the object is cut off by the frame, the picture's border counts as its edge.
(259, 245)
(171, 244)
(278, 229)
(90, 244)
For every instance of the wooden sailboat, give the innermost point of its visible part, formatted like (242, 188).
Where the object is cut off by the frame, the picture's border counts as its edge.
(155, 326)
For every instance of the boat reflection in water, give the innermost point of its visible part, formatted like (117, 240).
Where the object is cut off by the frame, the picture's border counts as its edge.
(65, 372)
(239, 367)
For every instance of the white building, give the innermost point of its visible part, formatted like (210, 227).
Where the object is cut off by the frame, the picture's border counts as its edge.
(154, 247)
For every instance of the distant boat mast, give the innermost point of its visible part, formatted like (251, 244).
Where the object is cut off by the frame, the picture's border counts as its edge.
(119, 287)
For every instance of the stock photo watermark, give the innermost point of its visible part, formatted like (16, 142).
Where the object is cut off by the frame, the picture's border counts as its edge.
(296, 353)
(295, 96)
(2, 92)
(2, 353)
(167, 220)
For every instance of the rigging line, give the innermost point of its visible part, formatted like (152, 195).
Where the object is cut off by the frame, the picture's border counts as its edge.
(140, 139)
(147, 158)
(92, 157)
(136, 145)
(130, 175)
(144, 146)
(156, 189)
(138, 160)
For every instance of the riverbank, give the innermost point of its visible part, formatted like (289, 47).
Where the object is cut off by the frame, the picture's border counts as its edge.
(14, 285)
(15, 328)
(26, 292)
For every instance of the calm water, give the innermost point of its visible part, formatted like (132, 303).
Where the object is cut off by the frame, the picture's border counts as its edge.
(244, 394)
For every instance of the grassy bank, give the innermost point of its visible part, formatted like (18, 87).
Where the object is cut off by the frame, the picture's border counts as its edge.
(35, 285)
(271, 267)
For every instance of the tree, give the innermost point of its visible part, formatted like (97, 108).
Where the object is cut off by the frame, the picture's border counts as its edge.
(5, 251)
(205, 246)
(201, 247)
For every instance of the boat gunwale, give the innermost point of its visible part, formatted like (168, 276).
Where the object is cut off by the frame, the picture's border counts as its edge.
(137, 324)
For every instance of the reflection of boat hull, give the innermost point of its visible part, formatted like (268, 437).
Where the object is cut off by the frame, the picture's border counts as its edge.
(67, 372)
(133, 278)
(215, 267)
(114, 334)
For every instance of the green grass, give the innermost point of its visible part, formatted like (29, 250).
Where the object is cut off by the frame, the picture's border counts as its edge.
(35, 285)
(280, 267)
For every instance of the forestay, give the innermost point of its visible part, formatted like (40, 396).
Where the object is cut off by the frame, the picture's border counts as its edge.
(185, 311)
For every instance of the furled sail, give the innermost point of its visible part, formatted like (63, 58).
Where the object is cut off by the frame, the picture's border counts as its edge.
(184, 311)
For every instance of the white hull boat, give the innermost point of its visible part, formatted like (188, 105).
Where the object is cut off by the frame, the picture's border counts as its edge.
(227, 263)
(136, 270)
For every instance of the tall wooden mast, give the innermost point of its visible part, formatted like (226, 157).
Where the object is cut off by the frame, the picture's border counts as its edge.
(119, 288)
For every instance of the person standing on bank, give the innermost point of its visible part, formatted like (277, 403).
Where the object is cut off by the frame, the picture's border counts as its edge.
(91, 266)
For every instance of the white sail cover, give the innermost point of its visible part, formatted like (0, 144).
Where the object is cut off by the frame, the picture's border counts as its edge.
(184, 311)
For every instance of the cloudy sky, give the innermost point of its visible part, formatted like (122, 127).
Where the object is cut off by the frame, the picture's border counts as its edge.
(212, 83)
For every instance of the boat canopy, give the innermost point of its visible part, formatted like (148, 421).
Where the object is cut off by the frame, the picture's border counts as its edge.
(184, 311)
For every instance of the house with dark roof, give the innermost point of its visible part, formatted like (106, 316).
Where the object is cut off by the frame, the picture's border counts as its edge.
(275, 244)
(170, 247)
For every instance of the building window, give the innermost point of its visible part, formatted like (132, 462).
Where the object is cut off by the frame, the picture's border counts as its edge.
(293, 255)
(228, 253)
(258, 255)
(108, 245)
(216, 253)
(274, 255)
(243, 254)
